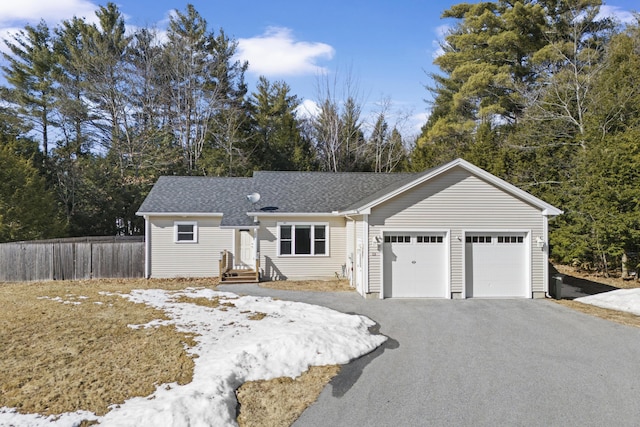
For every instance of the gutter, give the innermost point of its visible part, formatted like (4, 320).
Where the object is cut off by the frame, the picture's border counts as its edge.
(180, 214)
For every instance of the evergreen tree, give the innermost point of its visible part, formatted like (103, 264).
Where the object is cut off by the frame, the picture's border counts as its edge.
(105, 47)
(27, 209)
(603, 207)
(486, 65)
(230, 146)
(30, 73)
(276, 129)
(71, 75)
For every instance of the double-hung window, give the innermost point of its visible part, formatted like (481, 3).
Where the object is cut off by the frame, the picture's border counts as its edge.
(185, 232)
(303, 239)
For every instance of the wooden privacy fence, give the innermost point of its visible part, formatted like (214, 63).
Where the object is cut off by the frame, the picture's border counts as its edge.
(71, 259)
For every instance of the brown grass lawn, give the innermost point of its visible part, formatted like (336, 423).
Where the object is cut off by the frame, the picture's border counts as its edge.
(65, 346)
(279, 402)
(59, 357)
(310, 285)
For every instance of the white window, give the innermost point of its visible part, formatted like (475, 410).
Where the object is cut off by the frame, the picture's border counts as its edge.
(185, 232)
(303, 239)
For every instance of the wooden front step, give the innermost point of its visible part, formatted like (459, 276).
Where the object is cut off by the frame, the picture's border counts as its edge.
(240, 276)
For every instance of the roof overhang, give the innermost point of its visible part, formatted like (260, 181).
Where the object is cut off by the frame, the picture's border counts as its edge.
(291, 214)
(366, 211)
(180, 214)
(546, 208)
(554, 212)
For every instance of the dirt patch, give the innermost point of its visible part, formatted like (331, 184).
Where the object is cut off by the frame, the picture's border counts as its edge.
(279, 402)
(205, 302)
(257, 316)
(310, 285)
(66, 345)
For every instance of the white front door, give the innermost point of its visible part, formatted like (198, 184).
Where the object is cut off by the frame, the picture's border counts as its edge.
(496, 265)
(246, 257)
(415, 265)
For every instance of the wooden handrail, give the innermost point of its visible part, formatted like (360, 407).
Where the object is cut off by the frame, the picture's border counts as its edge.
(224, 262)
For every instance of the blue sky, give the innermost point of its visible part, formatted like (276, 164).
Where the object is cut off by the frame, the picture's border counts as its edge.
(385, 47)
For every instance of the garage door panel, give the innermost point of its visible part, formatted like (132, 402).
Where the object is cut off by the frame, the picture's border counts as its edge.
(415, 265)
(496, 265)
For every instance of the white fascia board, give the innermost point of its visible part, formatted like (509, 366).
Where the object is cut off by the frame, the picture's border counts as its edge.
(552, 212)
(290, 214)
(366, 211)
(180, 214)
(546, 208)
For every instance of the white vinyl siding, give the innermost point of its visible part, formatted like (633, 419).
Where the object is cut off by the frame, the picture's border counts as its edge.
(456, 200)
(326, 266)
(199, 259)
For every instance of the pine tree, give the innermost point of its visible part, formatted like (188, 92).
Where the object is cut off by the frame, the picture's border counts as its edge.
(276, 129)
(27, 208)
(30, 73)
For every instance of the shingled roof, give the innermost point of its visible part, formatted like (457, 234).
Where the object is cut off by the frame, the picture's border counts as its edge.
(281, 192)
(297, 192)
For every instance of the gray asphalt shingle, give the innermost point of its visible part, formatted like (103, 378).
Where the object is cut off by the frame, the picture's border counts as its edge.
(289, 192)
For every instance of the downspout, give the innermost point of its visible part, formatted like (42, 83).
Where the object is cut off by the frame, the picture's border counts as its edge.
(545, 254)
(147, 247)
(351, 257)
(256, 245)
(365, 255)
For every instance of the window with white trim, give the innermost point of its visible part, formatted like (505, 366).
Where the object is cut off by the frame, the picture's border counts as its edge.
(185, 232)
(303, 239)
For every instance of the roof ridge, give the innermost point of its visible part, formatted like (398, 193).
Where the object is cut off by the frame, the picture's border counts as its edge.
(205, 177)
(335, 173)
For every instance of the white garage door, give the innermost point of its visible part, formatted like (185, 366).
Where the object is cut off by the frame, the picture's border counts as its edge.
(496, 265)
(415, 265)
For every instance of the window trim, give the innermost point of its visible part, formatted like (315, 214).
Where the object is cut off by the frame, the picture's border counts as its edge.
(194, 224)
(310, 224)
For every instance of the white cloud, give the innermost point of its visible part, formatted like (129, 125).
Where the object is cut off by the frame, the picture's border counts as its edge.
(441, 32)
(277, 53)
(617, 13)
(7, 33)
(416, 121)
(14, 15)
(308, 109)
(21, 12)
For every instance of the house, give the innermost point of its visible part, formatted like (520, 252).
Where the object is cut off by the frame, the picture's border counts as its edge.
(454, 231)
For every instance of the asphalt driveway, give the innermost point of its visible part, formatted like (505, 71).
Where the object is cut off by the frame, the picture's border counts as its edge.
(479, 363)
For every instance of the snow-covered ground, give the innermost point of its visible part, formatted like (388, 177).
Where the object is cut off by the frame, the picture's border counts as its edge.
(231, 349)
(620, 299)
